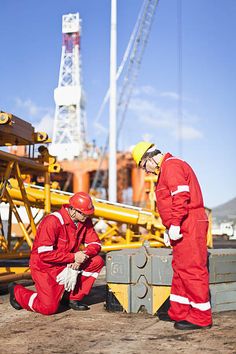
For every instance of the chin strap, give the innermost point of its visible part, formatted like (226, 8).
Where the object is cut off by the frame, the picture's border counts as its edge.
(158, 168)
(157, 171)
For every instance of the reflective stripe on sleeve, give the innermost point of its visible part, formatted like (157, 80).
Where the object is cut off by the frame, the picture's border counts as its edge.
(91, 243)
(59, 216)
(42, 249)
(184, 188)
(31, 301)
(89, 274)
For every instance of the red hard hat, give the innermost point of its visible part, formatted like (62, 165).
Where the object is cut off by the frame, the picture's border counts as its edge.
(82, 202)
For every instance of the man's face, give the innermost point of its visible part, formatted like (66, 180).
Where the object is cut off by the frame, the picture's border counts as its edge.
(148, 164)
(77, 215)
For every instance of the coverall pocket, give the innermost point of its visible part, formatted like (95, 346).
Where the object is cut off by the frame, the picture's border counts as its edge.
(62, 242)
(201, 241)
(201, 229)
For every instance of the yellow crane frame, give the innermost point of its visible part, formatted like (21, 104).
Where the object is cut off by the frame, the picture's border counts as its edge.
(125, 226)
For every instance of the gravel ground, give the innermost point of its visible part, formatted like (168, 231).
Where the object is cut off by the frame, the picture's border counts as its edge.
(101, 332)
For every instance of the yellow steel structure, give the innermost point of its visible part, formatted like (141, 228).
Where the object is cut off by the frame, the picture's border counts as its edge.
(126, 226)
(123, 226)
(15, 131)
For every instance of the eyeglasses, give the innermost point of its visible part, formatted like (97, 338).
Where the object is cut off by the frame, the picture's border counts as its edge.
(80, 212)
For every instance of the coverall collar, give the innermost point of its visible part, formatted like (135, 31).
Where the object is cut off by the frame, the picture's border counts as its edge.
(66, 216)
(166, 156)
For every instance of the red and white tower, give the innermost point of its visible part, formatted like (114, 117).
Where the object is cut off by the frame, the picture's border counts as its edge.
(69, 138)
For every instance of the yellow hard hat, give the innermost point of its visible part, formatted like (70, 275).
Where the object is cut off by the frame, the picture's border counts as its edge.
(140, 149)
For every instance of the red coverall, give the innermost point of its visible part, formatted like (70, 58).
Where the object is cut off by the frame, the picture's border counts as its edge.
(56, 241)
(180, 203)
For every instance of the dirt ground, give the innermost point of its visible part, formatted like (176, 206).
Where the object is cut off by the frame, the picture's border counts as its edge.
(101, 332)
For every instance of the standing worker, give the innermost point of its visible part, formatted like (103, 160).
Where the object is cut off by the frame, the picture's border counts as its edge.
(57, 263)
(180, 205)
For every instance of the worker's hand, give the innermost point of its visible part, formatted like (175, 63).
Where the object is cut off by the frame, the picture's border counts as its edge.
(73, 266)
(80, 257)
(166, 239)
(174, 233)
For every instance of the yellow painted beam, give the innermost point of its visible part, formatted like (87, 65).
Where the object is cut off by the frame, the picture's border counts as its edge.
(159, 295)
(16, 270)
(121, 292)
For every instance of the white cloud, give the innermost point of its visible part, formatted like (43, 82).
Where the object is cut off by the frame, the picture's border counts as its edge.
(29, 108)
(188, 133)
(172, 95)
(151, 115)
(147, 137)
(100, 129)
(148, 113)
(146, 90)
(45, 124)
(40, 117)
(152, 92)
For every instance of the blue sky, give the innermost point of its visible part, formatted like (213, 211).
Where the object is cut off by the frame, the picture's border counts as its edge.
(30, 33)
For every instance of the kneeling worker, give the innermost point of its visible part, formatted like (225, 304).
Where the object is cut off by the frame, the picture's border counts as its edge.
(180, 204)
(56, 262)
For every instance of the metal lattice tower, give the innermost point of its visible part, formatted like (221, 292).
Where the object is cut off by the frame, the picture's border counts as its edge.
(69, 139)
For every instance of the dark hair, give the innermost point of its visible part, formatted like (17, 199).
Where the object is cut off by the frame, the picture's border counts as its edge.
(151, 153)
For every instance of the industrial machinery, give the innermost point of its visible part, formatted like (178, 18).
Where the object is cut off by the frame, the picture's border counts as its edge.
(17, 132)
(119, 226)
(134, 284)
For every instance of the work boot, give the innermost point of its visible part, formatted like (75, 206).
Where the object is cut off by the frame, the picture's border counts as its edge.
(78, 306)
(13, 302)
(185, 325)
(163, 316)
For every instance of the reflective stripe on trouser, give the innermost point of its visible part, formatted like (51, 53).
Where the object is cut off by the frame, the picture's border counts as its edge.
(90, 271)
(48, 293)
(182, 308)
(190, 284)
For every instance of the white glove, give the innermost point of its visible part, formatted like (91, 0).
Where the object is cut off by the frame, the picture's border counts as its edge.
(166, 239)
(68, 278)
(174, 233)
(71, 279)
(61, 277)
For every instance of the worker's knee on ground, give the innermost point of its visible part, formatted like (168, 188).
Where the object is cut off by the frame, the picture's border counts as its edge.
(50, 309)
